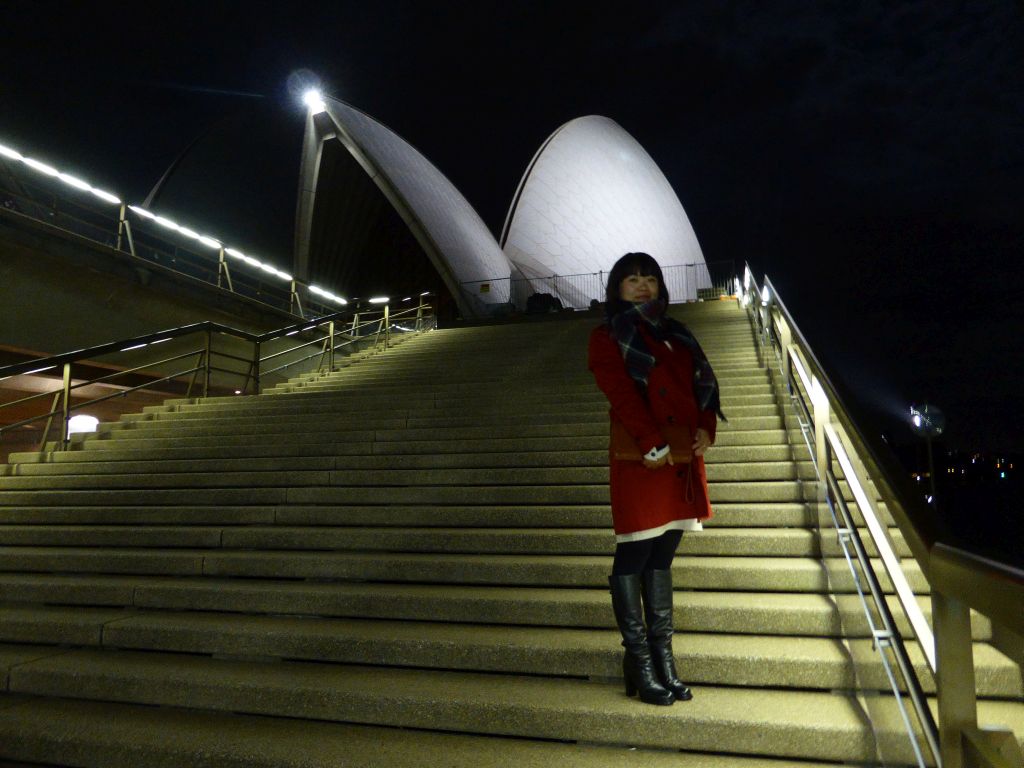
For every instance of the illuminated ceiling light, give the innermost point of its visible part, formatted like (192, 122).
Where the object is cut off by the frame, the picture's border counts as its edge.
(8, 152)
(407, 298)
(189, 232)
(166, 223)
(252, 262)
(268, 268)
(39, 370)
(339, 300)
(73, 181)
(160, 341)
(136, 346)
(105, 196)
(141, 212)
(284, 276)
(379, 300)
(765, 295)
(425, 293)
(49, 170)
(209, 242)
(314, 101)
(234, 253)
(317, 290)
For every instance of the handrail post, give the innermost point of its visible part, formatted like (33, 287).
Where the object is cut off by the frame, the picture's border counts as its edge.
(821, 412)
(256, 368)
(785, 341)
(387, 325)
(954, 675)
(419, 315)
(206, 363)
(330, 346)
(65, 416)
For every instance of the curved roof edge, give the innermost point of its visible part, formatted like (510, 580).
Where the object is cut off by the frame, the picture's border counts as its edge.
(590, 194)
(447, 227)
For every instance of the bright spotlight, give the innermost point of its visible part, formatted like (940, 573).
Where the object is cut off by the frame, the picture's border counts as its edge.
(314, 101)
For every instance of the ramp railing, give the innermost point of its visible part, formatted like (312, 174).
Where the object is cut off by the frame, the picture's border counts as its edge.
(848, 464)
(202, 358)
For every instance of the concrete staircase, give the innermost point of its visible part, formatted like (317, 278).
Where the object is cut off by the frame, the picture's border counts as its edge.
(404, 563)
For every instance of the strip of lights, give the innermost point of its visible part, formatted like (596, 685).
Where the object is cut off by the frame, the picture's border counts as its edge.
(206, 240)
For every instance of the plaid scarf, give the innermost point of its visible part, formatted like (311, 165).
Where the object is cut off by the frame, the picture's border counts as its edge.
(625, 329)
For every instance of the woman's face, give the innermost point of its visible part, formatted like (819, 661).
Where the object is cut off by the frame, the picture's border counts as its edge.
(639, 289)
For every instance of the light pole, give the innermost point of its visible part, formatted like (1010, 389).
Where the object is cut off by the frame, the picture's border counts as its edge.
(928, 421)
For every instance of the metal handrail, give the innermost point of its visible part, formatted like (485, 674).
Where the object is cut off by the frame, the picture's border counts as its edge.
(381, 318)
(959, 580)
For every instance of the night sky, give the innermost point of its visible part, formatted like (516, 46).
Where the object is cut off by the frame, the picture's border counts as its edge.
(867, 156)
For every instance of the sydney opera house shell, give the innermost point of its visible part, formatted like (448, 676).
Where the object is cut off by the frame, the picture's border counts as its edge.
(374, 213)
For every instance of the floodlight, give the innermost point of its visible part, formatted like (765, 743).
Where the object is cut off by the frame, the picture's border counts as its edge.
(927, 420)
(314, 101)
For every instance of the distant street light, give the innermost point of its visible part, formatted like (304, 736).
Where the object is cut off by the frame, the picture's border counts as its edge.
(928, 421)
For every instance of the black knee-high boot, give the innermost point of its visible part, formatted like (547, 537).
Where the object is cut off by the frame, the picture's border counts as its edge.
(637, 671)
(657, 587)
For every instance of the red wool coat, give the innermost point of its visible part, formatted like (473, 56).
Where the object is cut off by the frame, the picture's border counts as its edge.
(648, 502)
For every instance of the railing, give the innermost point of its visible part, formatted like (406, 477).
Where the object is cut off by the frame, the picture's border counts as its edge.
(685, 282)
(156, 240)
(959, 581)
(250, 359)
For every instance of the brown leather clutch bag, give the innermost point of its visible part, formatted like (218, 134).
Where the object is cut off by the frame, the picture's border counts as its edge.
(678, 437)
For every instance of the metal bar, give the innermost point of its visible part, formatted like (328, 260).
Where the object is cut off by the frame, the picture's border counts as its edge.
(65, 406)
(129, 390)
(206, 361)
(291, 363)
(256, 368)
(197, 369)
(49, 421)
(330, 339)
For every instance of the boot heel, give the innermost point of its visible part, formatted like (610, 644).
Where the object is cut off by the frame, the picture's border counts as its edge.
(631, 689)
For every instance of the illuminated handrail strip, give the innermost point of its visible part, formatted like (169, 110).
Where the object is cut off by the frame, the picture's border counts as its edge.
(213, 243)
(883, 543)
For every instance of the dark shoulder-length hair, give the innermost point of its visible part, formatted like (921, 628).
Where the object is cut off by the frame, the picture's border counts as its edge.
(638, 263)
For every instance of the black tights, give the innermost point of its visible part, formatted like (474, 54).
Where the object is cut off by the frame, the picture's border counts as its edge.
(646, 555)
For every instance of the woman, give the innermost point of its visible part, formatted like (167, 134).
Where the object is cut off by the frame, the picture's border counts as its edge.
(654, 374)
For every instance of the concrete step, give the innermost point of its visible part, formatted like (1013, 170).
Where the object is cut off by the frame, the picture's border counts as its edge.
(395, 430)
(381, 472)
(369, 440)
(754, 418)
(74, 732)
(760, 542)
(693, 570)
(287, 492)
(82, 463)
(474, 702)
(534, 516)
(732, 449)
(454, 415)
(715, 659)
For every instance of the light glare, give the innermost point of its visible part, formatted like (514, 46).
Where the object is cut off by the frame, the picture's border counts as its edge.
(379, 300)
(8, 152)
(105, 196)
(314, 101)
(73, 181)
(49, 170)
(141, 212)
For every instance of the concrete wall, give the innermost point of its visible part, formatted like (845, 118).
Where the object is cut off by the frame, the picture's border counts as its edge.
(60, 292)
